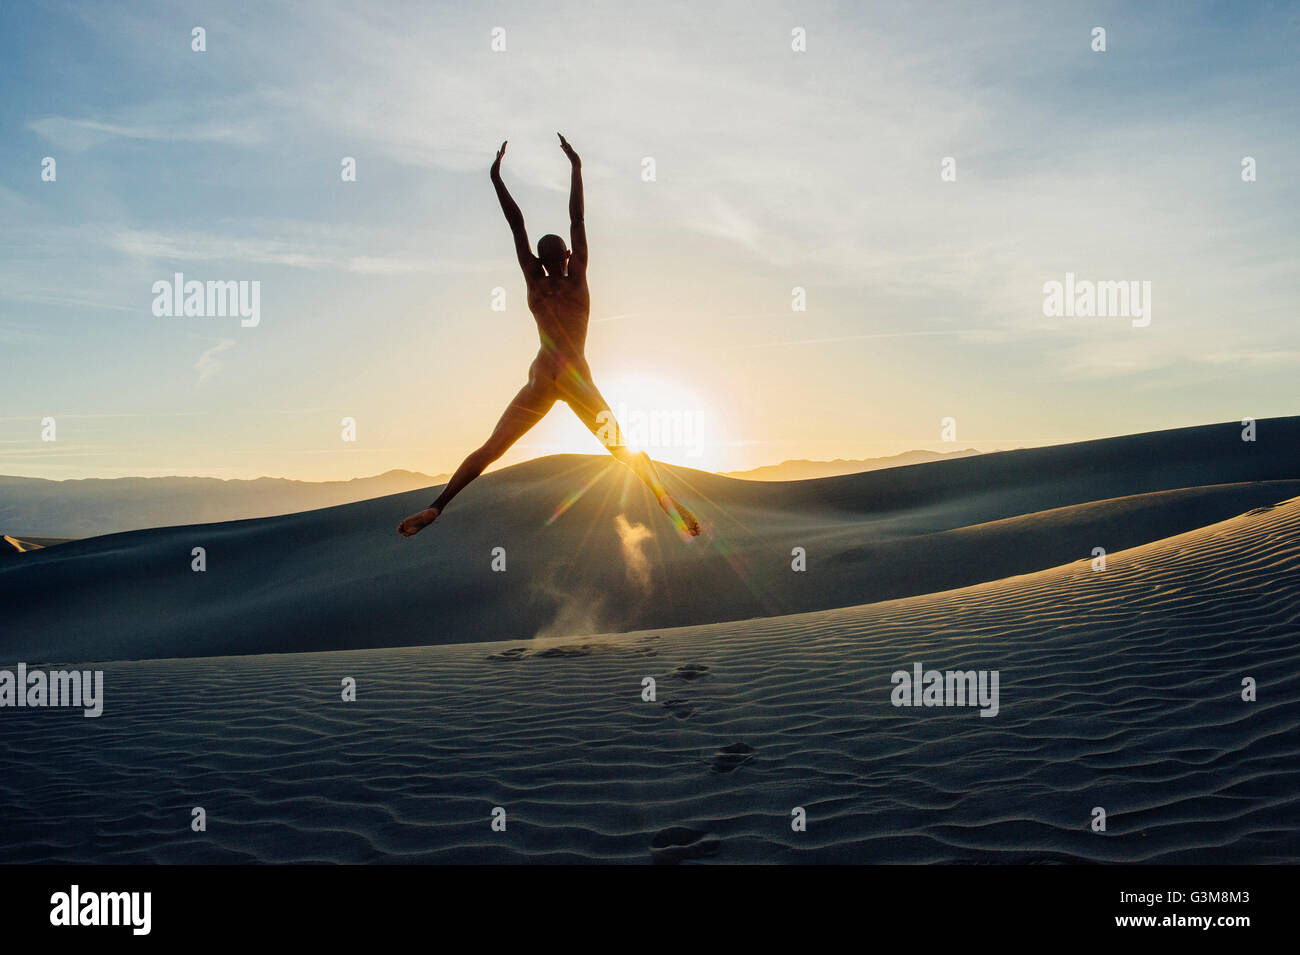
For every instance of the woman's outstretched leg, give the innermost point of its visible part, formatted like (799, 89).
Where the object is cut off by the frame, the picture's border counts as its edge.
(529, 407)
(593, 411)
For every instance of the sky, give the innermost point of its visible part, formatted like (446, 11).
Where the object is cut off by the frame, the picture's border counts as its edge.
(774, 169)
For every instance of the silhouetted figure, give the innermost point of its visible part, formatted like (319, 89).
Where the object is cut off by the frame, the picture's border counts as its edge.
(560, 302)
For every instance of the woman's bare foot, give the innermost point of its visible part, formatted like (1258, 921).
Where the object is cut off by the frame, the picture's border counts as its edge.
(680, 514)
(689, 519)
(417, 522)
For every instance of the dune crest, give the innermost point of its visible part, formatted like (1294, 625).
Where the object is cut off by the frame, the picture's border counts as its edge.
(340, 578)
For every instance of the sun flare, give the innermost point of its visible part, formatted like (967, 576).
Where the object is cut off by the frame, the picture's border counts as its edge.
(670, 422)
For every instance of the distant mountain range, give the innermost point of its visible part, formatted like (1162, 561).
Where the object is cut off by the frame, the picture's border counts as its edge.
(802, 470)
(90, 507)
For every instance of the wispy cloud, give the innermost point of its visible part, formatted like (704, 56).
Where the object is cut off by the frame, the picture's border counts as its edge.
(398, 265)
(208, 363)
(17, 336)
(299, 245)
(198, 247)
(946, 333)
(78, 135)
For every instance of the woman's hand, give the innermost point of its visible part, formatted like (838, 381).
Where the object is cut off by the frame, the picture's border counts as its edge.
(568, 150)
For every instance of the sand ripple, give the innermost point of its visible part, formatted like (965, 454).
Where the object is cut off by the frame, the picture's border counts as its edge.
(1119, 689)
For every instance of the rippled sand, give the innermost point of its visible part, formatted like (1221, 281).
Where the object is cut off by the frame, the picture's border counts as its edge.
(1119, 689)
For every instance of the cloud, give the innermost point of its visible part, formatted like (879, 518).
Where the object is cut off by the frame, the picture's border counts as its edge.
(1252, 358)
(208, 363)
(192, 247)
(43, 298)
(950, 333)
(724, 220)
(387, 265)
(17, 336)
(1093, 360)
(295, 244)
(78, 135)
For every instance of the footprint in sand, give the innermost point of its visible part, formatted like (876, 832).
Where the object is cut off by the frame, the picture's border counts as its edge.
(730, 757)
(690, 671)
(678, 707)
(566, 650)
(578, 650)
(672, 845)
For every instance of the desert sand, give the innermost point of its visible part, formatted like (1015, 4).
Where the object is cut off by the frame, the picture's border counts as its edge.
(341, 578)
(1120, 688)
(803, 469)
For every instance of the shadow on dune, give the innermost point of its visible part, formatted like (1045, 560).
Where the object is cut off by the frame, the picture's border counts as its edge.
(341, 577)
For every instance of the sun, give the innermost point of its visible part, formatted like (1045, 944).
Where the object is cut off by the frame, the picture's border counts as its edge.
(664, 418)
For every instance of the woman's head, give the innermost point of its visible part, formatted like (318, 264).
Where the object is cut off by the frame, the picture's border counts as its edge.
(553, 253)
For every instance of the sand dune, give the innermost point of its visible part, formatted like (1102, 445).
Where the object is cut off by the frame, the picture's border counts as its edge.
(22, 545)
(12, 545)
(341, 578)
(804, 469)
(1119, 689)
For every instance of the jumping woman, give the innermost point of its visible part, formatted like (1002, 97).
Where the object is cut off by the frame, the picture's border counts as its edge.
(561, 304)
